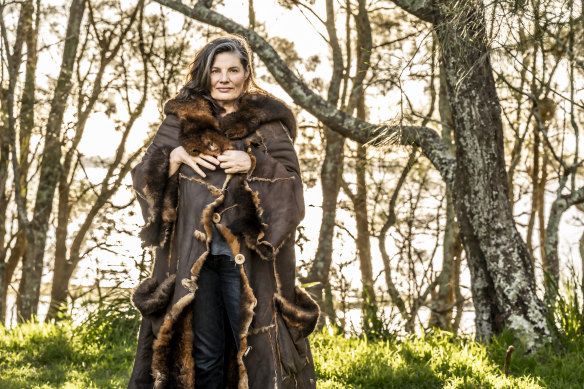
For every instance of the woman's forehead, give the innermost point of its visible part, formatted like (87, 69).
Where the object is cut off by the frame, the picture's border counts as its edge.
(226, 60)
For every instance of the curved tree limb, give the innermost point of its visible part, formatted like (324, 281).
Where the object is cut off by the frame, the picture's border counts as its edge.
(349, 126)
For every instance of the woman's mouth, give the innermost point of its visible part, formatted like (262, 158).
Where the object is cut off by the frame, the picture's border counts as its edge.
(224, 89)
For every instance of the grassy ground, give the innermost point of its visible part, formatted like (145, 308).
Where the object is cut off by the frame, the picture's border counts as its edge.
(58, 356)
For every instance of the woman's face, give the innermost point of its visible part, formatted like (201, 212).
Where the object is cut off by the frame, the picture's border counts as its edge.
(227, 78)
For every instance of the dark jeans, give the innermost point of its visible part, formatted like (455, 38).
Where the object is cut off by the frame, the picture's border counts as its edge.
(216, 305)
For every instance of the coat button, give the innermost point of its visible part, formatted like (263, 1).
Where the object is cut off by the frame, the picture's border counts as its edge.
(239, 259)
(216, 218)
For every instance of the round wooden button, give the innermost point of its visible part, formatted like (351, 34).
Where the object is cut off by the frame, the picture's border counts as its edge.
(216, 218)
(239, 259)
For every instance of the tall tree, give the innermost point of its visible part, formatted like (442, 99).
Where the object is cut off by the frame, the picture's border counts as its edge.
(330, 174)
(50, 170)
(68, 247)
(26, 34)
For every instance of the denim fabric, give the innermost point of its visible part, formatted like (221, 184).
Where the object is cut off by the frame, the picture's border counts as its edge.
(217, 299)
(218, 245)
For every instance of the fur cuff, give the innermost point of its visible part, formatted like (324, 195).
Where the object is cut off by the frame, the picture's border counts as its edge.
(302, 314)
(151, 299)
(161, 193)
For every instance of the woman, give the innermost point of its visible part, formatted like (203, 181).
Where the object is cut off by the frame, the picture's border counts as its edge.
(221, 195)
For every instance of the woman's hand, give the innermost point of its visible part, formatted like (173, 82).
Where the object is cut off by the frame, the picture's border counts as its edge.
(234, 161)
(180, 155)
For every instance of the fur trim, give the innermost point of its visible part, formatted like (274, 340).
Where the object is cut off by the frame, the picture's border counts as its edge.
(152, 299)
(161, 194)
(302, 314)
(199, 128)
(161, 349)
(186, 361)
(253, 110)
(248, 221)
(202, 132)
(248, 303)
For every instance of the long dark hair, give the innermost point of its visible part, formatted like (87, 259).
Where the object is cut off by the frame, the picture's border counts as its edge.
(198, 82)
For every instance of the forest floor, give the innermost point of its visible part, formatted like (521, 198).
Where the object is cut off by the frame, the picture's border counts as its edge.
(37, 355)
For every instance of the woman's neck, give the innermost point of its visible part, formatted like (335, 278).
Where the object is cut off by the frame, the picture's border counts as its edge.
(228, 107)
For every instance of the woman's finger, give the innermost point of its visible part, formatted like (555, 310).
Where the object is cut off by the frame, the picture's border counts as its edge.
(226, 165)
(202, 162)
(209, 158)
(197, 169)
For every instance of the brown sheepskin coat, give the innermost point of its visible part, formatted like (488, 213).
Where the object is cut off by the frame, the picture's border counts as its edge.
(257, 213)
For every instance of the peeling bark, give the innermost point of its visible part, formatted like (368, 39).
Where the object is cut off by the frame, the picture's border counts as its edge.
(503, 282)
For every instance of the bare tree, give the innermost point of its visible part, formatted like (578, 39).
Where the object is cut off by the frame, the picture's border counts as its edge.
(68, 255)
(36, 228)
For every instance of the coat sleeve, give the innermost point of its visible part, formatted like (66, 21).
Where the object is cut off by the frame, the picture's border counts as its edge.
(151, 183)
(276, 185)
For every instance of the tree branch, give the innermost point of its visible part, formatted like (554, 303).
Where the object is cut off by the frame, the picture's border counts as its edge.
(359, 130)
(423, 9)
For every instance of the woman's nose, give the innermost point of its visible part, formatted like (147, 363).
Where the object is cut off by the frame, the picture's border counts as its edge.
(224, 77)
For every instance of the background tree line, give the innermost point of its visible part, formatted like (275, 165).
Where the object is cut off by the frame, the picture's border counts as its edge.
(444, 135)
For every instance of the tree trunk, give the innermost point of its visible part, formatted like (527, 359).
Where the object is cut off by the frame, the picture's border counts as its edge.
(16, 255)
(534, 190)
(363, 243)
(552, 264)
(503, 282)
(64, 267)
(445, 299)
(541, 210)
(330, 177)
(50, 169)
(581, 250)
(24, 34)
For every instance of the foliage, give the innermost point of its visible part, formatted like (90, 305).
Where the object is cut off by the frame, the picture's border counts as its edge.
(99, 354)
(96, 354)
(441, 360)
(566, 315)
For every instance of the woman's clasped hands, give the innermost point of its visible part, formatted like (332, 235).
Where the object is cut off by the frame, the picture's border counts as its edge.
(232, 161)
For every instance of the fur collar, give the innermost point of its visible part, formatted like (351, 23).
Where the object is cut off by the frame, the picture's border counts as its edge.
(203, 132)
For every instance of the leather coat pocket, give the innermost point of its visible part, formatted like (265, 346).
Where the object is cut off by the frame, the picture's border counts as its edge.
(152, 298)
(296, 320)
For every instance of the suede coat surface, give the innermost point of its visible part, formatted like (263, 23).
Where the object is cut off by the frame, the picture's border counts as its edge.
(257, 213)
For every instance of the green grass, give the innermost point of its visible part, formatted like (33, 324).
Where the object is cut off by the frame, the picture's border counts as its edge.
(36, 355)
